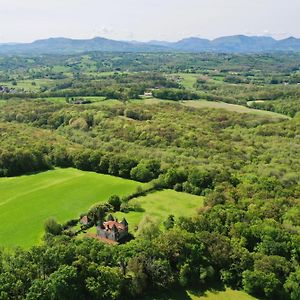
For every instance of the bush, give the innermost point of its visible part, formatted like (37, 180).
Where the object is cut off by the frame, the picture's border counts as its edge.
(145, 171)
(115, 202)
(70, 223)
(52, 227)
(175, 94)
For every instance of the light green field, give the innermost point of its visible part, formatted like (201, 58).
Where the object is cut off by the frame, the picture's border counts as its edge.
(109, 102)
(231, 107)
(93, 99)
(188, 80)
(59, 68)
(215, 105)
(159, 205)
(228, 294)
(27, 84)
(151, 101)
(27, 201)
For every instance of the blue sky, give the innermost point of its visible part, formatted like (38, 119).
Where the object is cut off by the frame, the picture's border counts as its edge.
(27, 20)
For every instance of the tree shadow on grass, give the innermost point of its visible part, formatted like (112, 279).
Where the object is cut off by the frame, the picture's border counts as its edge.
(182, 294)
(177, 294)
(215, 289)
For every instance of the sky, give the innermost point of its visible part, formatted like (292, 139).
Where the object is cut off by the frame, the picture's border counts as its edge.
(144, 20)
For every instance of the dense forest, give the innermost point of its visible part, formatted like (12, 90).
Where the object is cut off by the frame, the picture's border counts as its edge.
(128, 115)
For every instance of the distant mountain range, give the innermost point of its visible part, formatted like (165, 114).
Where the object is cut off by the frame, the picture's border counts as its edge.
(228, 44)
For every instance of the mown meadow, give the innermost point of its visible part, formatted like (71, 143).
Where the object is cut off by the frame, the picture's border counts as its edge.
(27, 201)
(159, 205)
(226, 294)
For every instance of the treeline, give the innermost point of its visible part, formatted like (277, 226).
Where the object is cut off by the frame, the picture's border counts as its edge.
(287, 107)
(22, 161)
(121, 86)
(109, 93)
(198, 181)
(175, 94)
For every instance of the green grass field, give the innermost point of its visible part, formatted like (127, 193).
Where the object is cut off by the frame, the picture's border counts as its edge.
(159, 205)
(227, 294)
(27, 84)
(231, 107)
(215, 105)
(27, 201)
(188, 80)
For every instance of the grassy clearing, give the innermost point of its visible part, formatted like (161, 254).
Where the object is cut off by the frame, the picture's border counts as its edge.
(159, 205)
(231, 107)
(109, 102)
(218, 79)
(188, 80)
(27, 85)
(228, 294)
(60, 68)
(54, 99)
(27, 201)
(215, 105)
(150, 101)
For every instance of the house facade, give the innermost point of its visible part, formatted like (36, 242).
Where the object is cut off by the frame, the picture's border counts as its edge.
(112, 229)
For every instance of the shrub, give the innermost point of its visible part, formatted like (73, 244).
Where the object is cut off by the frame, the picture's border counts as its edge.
(115, 202)
(52, 227)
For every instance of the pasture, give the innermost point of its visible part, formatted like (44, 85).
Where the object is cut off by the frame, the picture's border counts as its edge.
(227, 294)
(27, 201)
(33, 85)
(231, 107)
(159, 205)
(188, 80)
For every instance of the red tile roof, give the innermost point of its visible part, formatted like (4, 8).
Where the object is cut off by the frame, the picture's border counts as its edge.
(111, 224)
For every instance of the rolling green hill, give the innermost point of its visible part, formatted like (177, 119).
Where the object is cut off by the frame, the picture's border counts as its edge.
(27, 201)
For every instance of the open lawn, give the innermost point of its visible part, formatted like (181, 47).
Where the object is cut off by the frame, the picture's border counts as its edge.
(188, 80)
(159, 205)
(27, 201)
(227, 294)
(150, 101)
(28, 85)
(231, 107)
